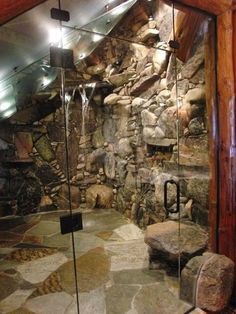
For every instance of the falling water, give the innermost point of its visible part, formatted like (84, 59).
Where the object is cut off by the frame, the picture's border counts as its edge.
(85, 103)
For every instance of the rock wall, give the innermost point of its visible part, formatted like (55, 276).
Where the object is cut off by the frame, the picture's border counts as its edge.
(129, 142)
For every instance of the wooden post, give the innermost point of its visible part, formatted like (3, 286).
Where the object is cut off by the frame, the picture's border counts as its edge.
(227, 134)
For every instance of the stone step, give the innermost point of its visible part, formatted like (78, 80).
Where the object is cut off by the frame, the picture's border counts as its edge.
(167, 239)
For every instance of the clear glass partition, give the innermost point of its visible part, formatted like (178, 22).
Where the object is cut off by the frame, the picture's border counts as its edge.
(122, 138)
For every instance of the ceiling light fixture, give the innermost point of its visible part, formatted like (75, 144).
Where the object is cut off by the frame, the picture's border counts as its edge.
(6, 91)
(55, 35)
(5, 105)
(9, 112)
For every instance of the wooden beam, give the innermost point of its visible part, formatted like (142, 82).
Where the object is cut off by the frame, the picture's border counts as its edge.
(215, 7)
(11, 8)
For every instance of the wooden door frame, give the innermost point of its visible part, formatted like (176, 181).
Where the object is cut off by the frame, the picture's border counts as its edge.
(223, 129)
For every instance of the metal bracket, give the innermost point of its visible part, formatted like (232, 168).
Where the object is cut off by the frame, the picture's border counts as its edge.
(60, 15)
(174, 44)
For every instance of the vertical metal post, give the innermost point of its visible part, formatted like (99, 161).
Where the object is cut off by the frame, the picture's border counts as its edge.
(67, 165)
(177, 136)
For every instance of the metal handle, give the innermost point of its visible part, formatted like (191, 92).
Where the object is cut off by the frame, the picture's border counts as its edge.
(177, 197)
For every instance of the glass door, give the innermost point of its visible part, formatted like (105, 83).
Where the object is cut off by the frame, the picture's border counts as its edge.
(120, 133)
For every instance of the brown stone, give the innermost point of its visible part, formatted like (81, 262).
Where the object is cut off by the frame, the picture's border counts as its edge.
(24, 144)
(143, 84)
(99, 196)
(215, 283)
(93, 271)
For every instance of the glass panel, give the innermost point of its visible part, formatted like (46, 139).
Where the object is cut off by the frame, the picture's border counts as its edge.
(194, 90)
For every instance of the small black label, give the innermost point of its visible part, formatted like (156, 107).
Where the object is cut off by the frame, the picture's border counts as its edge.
(70, 223)
(60, 15)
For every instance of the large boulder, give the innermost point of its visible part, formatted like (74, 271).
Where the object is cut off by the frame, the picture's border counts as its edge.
(215, 283)
(165, 242)
(211, 276)
(99, 196)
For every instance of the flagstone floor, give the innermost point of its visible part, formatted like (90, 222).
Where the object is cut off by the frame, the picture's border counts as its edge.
(114, 277)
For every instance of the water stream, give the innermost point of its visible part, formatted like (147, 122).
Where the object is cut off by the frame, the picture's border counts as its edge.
(85, 103)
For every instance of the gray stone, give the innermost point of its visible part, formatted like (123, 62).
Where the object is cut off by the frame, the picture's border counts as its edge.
(98, 139)
(182, 89)
(195, 127)
(159, 111)
(110, 165)
(158, 299)
(139, 51)
(130, 181)
(56, 302)
(176, 216)
(95, 160)
(121, 169)
(149, 136)
(159, 133)
(120, 292)
(163, 96)
(165, 23)
(137, 276)
(145, 175)
(137, 102)
(148, 118)
(109, 130)
(121, 78)
(198, 189)
(148, 33)
(124, 148)
(167, 122)
(196, 95)
(160, 61)
(112, 99)
(164, 238)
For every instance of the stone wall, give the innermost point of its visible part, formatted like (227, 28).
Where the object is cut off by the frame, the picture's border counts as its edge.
(129, 142)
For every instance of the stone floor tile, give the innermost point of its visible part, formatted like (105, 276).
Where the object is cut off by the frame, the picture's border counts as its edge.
(54, 303)
(15, 300)
(129, 232)
(38, 270)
